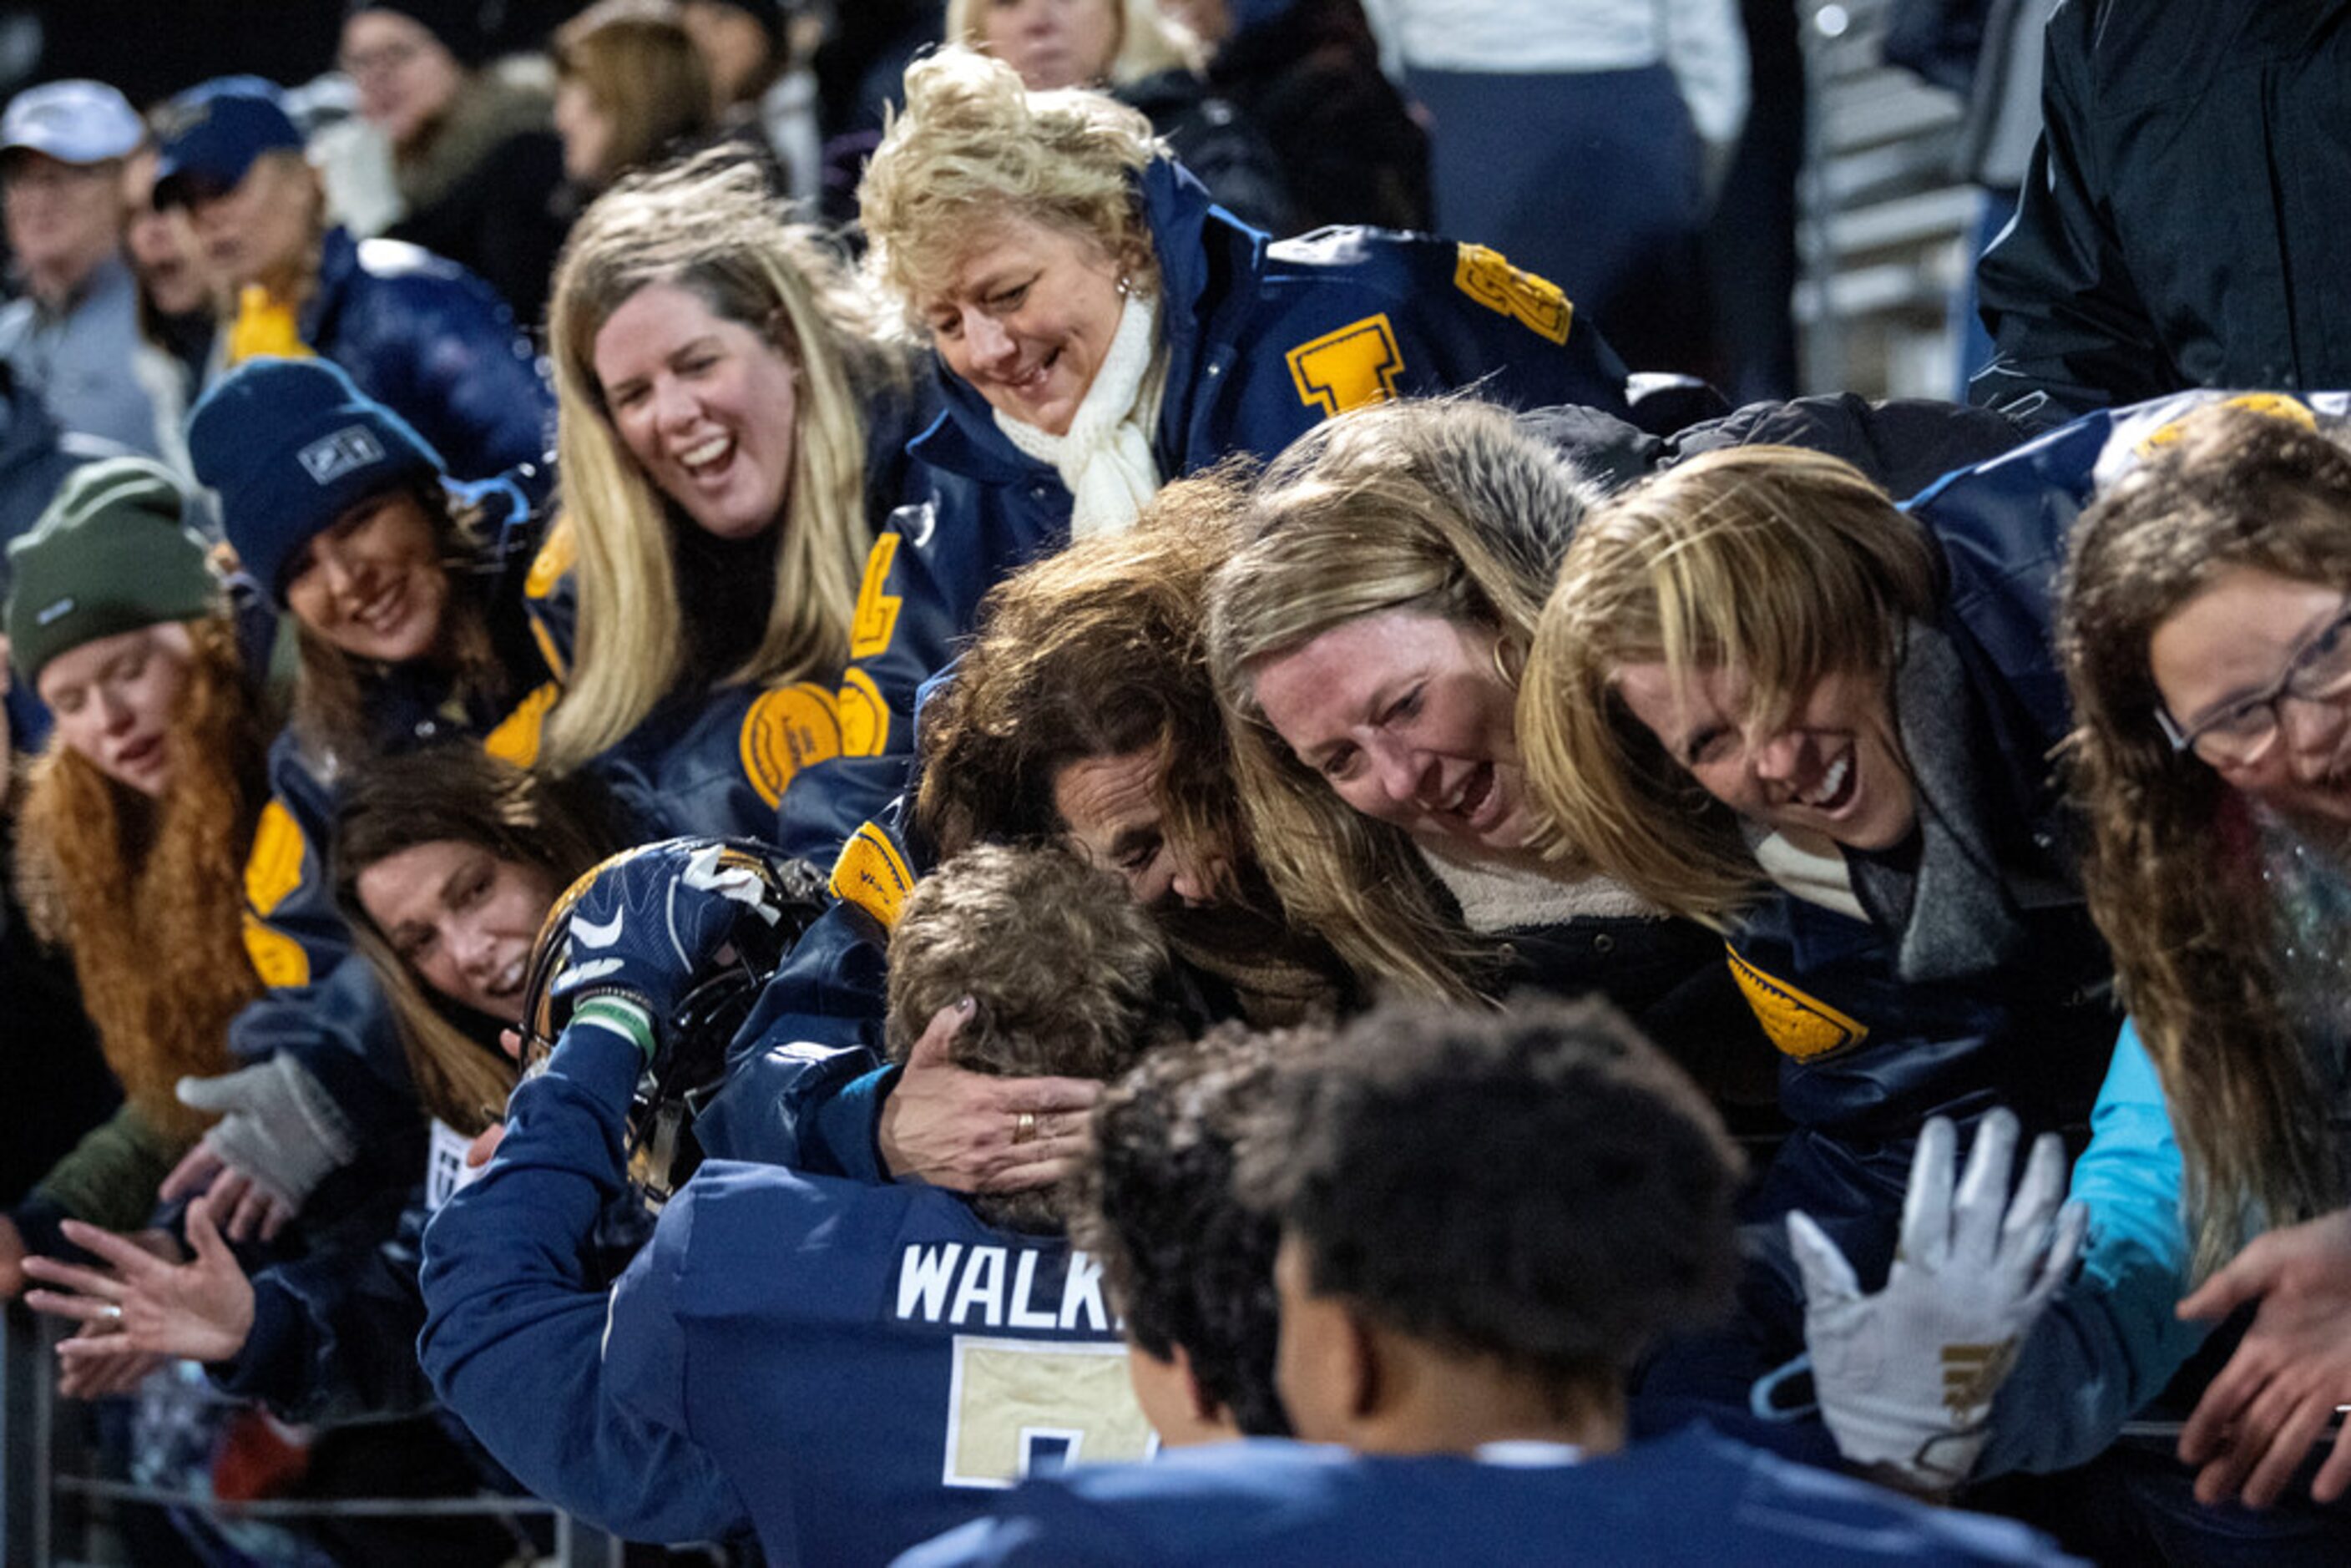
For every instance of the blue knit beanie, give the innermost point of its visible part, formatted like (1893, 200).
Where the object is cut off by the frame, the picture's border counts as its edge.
(290, 445)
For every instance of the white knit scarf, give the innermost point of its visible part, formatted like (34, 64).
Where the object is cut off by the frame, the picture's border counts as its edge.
(1106, 459)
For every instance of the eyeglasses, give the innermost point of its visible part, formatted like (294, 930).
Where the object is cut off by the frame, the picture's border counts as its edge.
(2242, 733)
(382, 59)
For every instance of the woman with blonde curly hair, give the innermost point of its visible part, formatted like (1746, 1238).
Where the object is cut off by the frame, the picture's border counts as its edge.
(731, 428)
(132, 833)
(1102, 330)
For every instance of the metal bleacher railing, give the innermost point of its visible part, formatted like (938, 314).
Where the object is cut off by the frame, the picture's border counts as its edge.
(53, 1499)
(1883, 218)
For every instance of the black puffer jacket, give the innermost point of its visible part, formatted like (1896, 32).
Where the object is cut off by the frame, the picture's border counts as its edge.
(2182, 222)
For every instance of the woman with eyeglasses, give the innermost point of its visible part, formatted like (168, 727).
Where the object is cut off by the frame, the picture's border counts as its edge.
(472, 142)
(2206, 637)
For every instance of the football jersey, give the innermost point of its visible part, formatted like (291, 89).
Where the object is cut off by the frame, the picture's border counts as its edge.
(868, 1364)
(1693, 1498)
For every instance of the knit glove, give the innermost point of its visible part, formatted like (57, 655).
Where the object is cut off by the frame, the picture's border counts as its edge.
(1905, 1377)
(265, 328)
(276, 1126)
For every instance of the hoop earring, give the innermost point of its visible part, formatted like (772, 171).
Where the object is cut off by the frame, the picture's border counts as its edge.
(1502, 666)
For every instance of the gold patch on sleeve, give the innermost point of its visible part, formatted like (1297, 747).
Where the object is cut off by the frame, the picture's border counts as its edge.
(275, 958)
(864, 716)
(1534, 302)
(786, 730)
(558, 554)
(1800, 1026)
(1351, 368)
(516, 737)
(871, 875)
(274, 866)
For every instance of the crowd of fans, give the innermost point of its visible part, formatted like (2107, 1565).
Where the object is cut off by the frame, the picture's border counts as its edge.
(1007, 828)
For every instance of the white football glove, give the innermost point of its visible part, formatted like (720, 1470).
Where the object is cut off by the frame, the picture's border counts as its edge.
(1905, 1377)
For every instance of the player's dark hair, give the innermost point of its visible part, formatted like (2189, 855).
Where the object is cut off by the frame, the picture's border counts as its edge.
(1068, 974)
(1541, 1186)
(1188, 1263)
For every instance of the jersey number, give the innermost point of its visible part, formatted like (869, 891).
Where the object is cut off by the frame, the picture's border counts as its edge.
(1017, 1405)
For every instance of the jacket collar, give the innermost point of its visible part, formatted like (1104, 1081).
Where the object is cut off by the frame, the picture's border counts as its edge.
(339, 257)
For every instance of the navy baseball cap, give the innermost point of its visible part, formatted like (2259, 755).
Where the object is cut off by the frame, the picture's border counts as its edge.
(72, 121)
(215, 131)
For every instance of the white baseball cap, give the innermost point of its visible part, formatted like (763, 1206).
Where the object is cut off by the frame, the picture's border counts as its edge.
(72, 121)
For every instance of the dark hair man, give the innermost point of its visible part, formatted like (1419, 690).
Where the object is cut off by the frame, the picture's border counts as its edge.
(1484, 1220)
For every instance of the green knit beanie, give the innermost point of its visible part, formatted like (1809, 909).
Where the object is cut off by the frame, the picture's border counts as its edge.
(109, 554)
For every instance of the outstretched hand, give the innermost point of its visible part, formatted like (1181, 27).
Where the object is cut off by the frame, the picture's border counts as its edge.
(2257, 1421)
(280, 1135)
(253, 1207)
(956, 1128)
(1905, 1377)
(200, 1310)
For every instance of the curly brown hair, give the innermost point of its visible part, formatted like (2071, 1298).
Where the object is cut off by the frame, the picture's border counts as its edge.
(1096, 651)
(1066, 974)
(1541, 1186)
(148, 895)
(2172, 878)
(1188, 1263)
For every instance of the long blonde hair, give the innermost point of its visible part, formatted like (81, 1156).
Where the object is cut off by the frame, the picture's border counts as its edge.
(1789, 564)
(147, 894)
(2172, 865)
(1438, 507)
(710, 227)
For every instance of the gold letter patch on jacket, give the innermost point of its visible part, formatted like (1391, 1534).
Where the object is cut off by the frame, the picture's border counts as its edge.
(1347, 369)
(1535, 303)
(877, 612)
(516, 737)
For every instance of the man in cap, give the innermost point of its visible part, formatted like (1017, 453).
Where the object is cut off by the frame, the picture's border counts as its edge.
(415, 332)
(75, 332)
